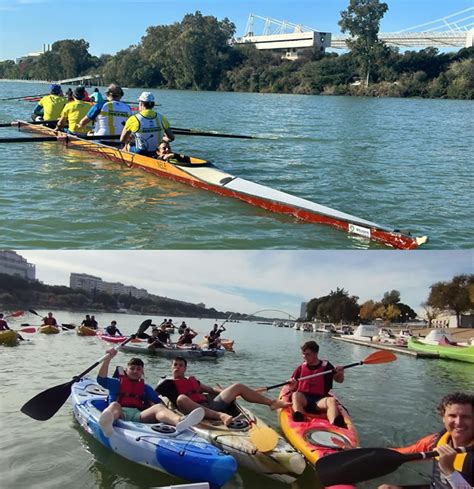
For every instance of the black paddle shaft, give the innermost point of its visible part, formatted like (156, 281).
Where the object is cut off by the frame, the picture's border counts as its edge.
(355, 364)
(363, 464)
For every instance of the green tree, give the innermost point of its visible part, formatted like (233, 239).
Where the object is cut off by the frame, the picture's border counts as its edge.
(454, 295)
(73, 56)
(392, 297)
(362, 20)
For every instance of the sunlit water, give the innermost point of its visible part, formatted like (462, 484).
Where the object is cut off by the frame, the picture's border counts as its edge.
(406, 163)
(391, 404)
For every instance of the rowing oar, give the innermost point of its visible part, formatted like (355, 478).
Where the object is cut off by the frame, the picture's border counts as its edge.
(19, 124)
(60, 137)
(24, 97)
(192, 132)
(363, 464)
(47, 403)
(64, 326)
(379, 356)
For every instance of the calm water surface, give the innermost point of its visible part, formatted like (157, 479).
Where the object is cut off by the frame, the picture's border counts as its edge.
(391, 404)
(406, 163)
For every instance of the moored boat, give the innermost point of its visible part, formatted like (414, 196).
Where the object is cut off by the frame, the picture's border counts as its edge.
(204, 175)
(194, 353)
(46, 329)
(315, 437)
(156, 446)
(446, 351)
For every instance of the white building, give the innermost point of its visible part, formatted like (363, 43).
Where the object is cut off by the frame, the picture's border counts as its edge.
(12, 263)
(303, 310)
(87, 282)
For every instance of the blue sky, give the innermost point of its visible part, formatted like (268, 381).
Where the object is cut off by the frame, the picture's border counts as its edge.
(111, 25)
(248, 281)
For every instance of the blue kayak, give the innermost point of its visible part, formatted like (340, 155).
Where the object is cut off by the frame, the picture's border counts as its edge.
(157, 446)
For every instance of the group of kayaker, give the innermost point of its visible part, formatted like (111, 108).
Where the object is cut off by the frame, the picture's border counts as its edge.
(90, 322)
(147, 132)
(131, 399)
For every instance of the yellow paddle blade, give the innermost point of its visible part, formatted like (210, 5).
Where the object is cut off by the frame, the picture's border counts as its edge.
(265, 439)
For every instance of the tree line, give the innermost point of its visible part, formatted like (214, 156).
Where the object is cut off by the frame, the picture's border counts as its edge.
(198, 53)
(19, 293)
(456, 296)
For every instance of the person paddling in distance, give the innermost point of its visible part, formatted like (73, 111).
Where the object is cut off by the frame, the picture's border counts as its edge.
(311, 395)
(3, 324)
(186, 339)
(49, 320)
(109, 116)
(112, 329)
(147, 127)
(188, 393)
(49, 108)
(214, 336)
(451, 469)
(87, 322)
(94, 323)
(73, 113)
(133, 400)
(160, 338)
(96, 96)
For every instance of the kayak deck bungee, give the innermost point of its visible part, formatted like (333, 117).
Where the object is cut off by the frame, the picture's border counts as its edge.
(176, 351)
(448, 352)
(283, 463)
(315, 437)
(204, 175)
(156, 446)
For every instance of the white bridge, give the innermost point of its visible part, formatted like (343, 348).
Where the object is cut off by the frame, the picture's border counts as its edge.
(453, 31)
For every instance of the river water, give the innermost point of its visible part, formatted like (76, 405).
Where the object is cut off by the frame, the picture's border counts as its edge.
(391, 404)
(406, 163)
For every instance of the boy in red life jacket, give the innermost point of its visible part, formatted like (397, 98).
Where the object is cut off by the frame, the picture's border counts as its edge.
(49, 320)
(311, 395)
(451, 469)
(187, 393)
(133, 400)
(3, 324)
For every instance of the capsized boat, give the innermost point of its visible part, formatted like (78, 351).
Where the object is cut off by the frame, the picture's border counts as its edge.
(315, 437)
(194, 352)
(204, 175)
(156, 446)
(446, 351)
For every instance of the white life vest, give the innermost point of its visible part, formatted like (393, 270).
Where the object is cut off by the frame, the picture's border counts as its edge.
(148, 135)
(112, 118)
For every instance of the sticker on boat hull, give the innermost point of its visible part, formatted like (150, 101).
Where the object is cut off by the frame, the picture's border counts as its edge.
(359, 230)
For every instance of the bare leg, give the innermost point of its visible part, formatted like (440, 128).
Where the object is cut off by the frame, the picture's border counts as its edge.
(299, 402)
(160, 413)
(329, 405)
(108, 416)
(186, 405)
(230, 394)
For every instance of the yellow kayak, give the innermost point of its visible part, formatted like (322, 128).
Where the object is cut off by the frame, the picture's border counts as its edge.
(48, 329)
(85, 331)
(8, 338)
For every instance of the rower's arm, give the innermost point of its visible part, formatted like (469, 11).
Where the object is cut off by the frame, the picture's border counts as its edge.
(84, 121)
(168, 134)
(62, 122)
(125, 136)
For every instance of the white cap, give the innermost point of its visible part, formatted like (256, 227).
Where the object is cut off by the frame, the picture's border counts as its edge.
(146, 97)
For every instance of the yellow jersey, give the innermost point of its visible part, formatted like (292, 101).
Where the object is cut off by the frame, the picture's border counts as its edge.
(52, 106)
(75, 111)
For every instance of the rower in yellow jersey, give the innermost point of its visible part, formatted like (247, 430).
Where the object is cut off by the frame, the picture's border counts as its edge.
(49, 108)
(74, 112)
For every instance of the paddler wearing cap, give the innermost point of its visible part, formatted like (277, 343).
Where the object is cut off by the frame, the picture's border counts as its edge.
(74, 112)
(110, 115)
(50, 106)
(149, 128)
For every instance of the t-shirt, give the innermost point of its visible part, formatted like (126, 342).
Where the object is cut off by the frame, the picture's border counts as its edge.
(75, 111)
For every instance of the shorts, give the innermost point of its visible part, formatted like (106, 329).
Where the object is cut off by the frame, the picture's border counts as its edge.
(133, 149)
(311, 400)
(131, 414)
(217, 404)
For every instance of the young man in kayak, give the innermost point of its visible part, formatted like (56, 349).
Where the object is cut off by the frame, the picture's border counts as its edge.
(312, 395)
(49, 320)
(74, 112)
(49, 108)
(109, 116)
(214, 336)
(160, 338)
(112, 329)
(187, 393)
(186, 339)
(3, 323)
(148, 127)
(133, 400)
(451, 469)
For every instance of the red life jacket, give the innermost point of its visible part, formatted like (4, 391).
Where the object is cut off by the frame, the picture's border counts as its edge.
(3, 325)
(49, 321)
(131, 393)
(315, 385)
(191, 388)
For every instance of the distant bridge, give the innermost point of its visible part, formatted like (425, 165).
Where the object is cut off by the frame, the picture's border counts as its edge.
(453, 31)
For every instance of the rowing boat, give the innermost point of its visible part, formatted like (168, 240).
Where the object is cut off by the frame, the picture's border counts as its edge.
(204, 175)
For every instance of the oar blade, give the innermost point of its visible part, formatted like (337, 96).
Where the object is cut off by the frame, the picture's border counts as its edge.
(47, 403)
(379, 356)
(357, 465)
(264, 438)
(28, 329)
(34, 312)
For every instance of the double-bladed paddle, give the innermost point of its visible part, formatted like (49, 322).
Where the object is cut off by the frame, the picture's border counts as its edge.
(363, 464)
(47, 403)
(64, 326)
(379, 356)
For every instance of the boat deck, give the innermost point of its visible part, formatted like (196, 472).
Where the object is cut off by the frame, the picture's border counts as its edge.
(384, 346)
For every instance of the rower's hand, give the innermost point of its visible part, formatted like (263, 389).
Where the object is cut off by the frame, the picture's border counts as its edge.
(447, 455)
(111, 353)
(260, 389)
(293, 384)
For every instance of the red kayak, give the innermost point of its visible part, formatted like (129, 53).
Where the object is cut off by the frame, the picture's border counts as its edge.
(116, 339)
